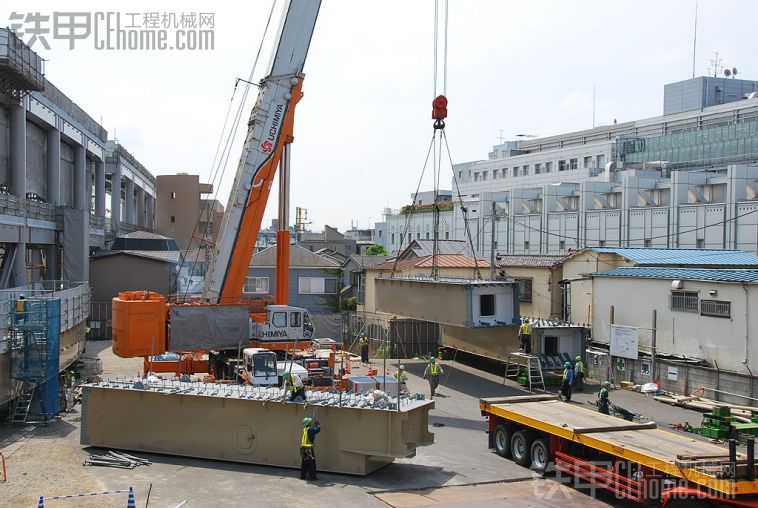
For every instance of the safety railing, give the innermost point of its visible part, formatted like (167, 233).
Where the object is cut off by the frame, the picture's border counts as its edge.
(74, 297)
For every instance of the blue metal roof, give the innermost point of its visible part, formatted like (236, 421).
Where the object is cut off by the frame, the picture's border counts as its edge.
(642, 256)
(709, 274)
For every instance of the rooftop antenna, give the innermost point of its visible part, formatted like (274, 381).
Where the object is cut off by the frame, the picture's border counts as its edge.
(715, 64)
(694, 43)
(593, 105)
(500, 137)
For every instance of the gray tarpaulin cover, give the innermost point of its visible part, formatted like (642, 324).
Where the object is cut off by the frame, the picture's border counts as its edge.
(209, 327)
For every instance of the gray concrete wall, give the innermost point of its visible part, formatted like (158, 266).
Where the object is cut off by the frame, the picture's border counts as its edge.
(36, 160)
(111, 274)
(5, 147)
(67, 175)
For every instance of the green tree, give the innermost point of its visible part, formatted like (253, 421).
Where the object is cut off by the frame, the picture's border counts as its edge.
(377, 250)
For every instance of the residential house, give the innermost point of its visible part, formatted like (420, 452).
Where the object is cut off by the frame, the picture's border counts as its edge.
(329, 238)
(539, 277)
(314, 280)
(577, 267)
(701, 314)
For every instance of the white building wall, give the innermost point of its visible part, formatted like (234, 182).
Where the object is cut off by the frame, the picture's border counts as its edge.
(726, 341)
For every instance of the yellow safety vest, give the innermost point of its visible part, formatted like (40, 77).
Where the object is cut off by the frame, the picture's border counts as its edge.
(435, 369)
(292, 383)
(20, 305)
(581, 366)
(306, 442)
(565, 374)
(524, 330)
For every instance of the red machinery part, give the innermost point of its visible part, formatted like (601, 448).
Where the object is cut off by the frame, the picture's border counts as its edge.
(439, 108)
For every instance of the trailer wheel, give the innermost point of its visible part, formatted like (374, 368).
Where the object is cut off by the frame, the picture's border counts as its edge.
(521, 444)
(540, 454)
(502, 440)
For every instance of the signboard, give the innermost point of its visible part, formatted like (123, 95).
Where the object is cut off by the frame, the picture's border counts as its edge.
(624, 342)
(673, 373)
(645, 369)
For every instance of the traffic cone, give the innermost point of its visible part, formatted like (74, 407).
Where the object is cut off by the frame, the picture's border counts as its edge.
(41, 502)
(347, 365)
(130, 503)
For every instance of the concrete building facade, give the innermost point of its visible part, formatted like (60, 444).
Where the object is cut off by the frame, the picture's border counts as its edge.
(683, 180)
(133, 191)
(184, 211)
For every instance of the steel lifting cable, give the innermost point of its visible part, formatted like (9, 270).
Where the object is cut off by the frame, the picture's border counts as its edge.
(219, 164)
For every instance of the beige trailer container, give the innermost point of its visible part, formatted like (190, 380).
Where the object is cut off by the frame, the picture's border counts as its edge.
(238, 424)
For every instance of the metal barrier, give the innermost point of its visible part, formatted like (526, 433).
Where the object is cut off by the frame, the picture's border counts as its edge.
(74, 297)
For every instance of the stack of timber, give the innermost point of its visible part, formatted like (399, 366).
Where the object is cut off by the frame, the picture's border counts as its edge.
(739, 414)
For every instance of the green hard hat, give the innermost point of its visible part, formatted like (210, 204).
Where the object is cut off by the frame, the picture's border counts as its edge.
(606, 384)
(432, 359)
(578, 358)
(567, 364)
(306, 421)
(285, 373)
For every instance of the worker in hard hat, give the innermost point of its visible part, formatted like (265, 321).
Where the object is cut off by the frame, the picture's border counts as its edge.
(402, 377)
(566, 380)
(21, 310)
(578, 374)
(525, 337)
(432, 373)
(363, 343)
(295, 385)
(307, 453)
(603, 402)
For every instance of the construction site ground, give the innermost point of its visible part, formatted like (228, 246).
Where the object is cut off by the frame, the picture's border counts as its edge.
(457, 470)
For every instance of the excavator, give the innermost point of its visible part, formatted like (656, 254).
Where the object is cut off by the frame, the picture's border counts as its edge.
(209, 335)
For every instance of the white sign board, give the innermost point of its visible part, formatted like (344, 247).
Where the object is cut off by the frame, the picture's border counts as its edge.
(624, 342)
(673, 374)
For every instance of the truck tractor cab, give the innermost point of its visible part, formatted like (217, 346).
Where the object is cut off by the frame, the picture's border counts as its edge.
(259, 367)
(284, 323)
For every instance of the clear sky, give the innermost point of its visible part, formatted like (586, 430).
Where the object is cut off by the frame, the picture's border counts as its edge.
(363, 127)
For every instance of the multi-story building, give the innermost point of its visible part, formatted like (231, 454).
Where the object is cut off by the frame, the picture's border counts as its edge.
(686, 179)
(184, 213)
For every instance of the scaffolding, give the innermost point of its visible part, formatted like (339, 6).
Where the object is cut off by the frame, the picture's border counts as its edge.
(33, 330)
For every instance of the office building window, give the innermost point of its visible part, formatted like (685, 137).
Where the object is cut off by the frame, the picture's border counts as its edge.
(173, 219)
(484, 176)
(515, 171)
(392, 236)
(447, 235)
(573, 163)
(537, 169)
(173, 195)
(525, 172)
(427, 235)
(526, 245)
(495, 174)
(685, 301)
(548, 167)
(256, 285)
(460, 175)
(562, 166)
(476, 177)
(587, 162)
(317, 285)
(601, 161)
(562, 245)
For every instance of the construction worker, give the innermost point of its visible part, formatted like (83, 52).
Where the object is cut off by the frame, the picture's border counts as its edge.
(295, 384)
(603, 402)
(525, 337)
(307, 453)
(578, 374)
(433, 372)
(21, 309)
(363, 342)
(403, 378)
(568, 377)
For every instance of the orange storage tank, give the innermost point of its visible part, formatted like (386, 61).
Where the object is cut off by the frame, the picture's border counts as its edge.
(139, 324)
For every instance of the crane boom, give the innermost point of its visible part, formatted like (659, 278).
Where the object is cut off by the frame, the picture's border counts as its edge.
(270, 127)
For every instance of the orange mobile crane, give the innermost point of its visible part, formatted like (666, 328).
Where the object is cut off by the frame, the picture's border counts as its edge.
(221, 322)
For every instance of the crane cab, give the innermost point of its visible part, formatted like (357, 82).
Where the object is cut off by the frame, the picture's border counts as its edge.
(259, 367)
(284, 323)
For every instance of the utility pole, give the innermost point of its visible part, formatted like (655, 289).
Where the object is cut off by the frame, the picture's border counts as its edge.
(653, 345)
(492, 241)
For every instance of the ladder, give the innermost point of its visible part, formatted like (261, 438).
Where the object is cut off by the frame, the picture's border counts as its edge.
(21, 405)
(519, 362)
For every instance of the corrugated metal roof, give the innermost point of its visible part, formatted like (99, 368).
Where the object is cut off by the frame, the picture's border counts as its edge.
(708, 274)
(529, 260)
(642, 256)
(144, 234)
(443, 261)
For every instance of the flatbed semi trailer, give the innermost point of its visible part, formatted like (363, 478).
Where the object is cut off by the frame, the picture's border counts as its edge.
(636, 461)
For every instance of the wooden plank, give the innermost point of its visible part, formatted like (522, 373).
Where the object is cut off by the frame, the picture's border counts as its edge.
(615, 428)
(515, 399)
